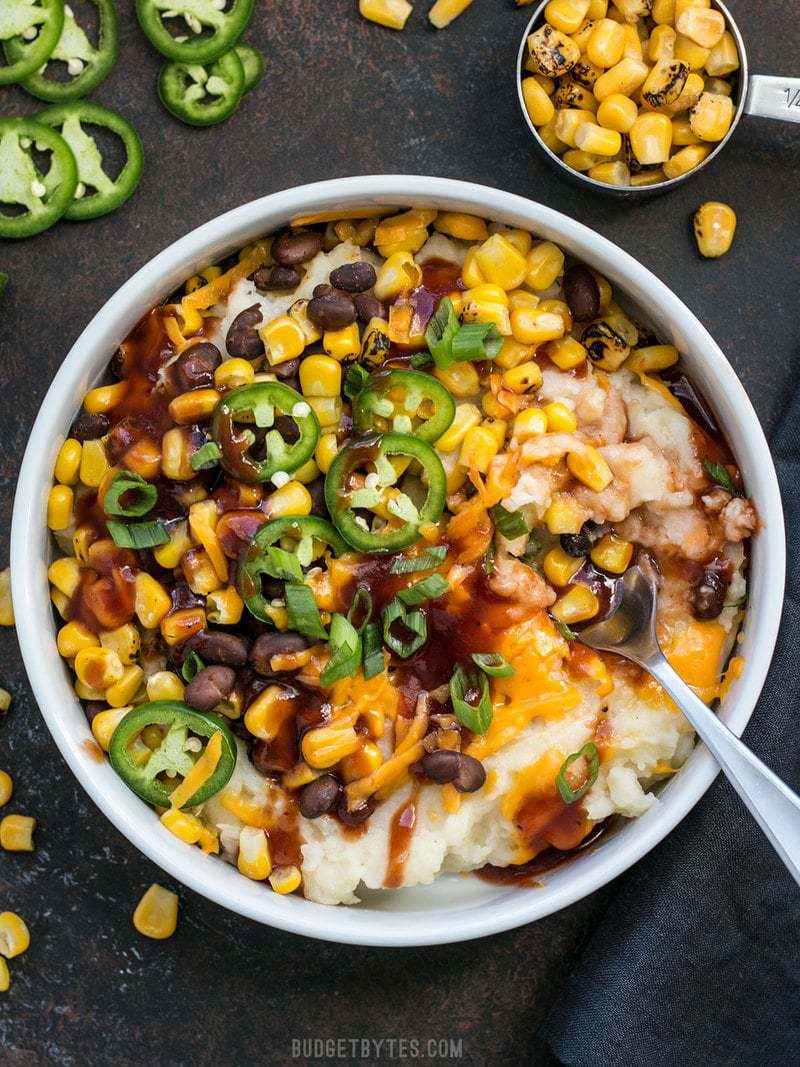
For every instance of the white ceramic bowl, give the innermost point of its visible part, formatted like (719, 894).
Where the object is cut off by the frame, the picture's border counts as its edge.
(455, 908)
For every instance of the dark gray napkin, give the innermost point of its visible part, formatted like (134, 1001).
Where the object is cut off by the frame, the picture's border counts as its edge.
(697, 960)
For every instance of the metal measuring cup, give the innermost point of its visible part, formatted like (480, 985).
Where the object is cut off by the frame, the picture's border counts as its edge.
(767, 96)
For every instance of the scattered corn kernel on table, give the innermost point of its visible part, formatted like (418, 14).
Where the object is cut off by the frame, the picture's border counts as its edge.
(341, 96)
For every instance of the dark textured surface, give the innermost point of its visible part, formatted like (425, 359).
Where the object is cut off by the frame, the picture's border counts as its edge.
(340, 97)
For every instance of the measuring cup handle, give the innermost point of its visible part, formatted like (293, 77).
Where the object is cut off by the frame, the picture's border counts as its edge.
(773, 97)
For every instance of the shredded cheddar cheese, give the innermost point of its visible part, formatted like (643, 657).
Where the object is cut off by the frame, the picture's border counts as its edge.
(200, 773)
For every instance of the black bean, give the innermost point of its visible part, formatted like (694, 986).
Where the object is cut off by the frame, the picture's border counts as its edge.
(578, 544)
(471, 775)
(319, 797)
(316, 490)
(368, 307)
(354, 277)
(210, 687)
(126, 433)
(195, 366)
(582, 293)
(446, 765)
(277, 278)
(708, 596)
(94, 707)
(292, 380)
(280, 643)
(89, 427)
(242, 338)
(292, 248)
(357, 815)
(287, 428)
(183, 597)
(214, 647)
(331, 310)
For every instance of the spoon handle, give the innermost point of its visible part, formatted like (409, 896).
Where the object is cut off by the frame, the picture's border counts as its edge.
(772, 803)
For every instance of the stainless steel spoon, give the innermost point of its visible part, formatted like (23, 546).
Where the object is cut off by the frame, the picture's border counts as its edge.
(631, 632)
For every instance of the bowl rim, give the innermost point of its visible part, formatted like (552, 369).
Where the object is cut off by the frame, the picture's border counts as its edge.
(218, 881)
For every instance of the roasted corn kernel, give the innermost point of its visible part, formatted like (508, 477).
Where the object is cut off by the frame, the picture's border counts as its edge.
(624, 77)
(651, 138)
(478, 449)
(714, 228)
(285, 880)
(611, 173)
(234, 373)
(589, 467)
(545, 263)
(68, 463)
(151, 600)
(179, 625)
(183, 825)
(291, 499)
(14, 935)
(563, 516)
(559, 418)
(617, 112)
(703, 25)
(164, 685)
(687, 159)
(6, 606)
(6, 787)
(224, 607)
(559, 568)
(589, 137)
(98, 667)
(284, 339)
(530, 423)
(397, 275)
(538, 104)
(320, 376)
(723, 58)
(711, 117)
(324, 746)
(73, 637)
(567, 122)
(523, 377)
(612, 554)
(59, 507)
(342, 344)
(665, 82)
(156, 914)
(104, 398)
(461, 379)
(576, 605)
(254, 860)
(501, 263)
(552, 52)
(466, 417)
(16, 833)
(606, 43)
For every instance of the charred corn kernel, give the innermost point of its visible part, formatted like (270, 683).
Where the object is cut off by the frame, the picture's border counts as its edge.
(566, 15)
(456, 478)
(692, 91)
(16, 833)
(615, 173)
(59, 507)
(224, 607)
(125, 640)
(194, 406)
(326, 450)
(6, 606)
(94, 465)
(485, 311)
(723, 58)
(576, 605)
(711, 117)
(617, 112)
(342, 344)
(164, 685)
(170, 554)
(179, 625)
(633, 10)
(68, 463)
(685, 5)
(581, 38)
(651, 138)
(589, 137)
(233, 373)
(522, 378)
(320, 376)
(461, 379)
(144, 458)
(661, 44)
(690, 53)
(156, 913)
(444, 12)
(462, 227)
(283, 339)
(466, 417)
(478, 449)
(648, 177)
(563, 516)
(285, 880)
(606, 43)
(612, 554)
(559, 418)
(714, 228)
(718, 85)
(552, 51)
(521, 298)
(254, 859)
(535, 326)
(579, 160)
(328, 410)
(104, 398)
(665, 82)
(73, 637)
(266, 714)
(568, 120)
(151, 601)
(624, 77)
(65, 574)
(390, 13)
(552, 141)
(326, 745)
(406, 232)
(397, 275)
(361, 763)
(704, 26)
(5, 976)
(98, 667)
(5, 700)
(652, 358)
(308, 473)
(184, 826)
(545, 263)
(682, 132)
(291, 499)
(375, 343)
(590, 468)
(122, 692)
(597, 9)
(86, 692)
(565, 352)
(299, 312)
(6, 787)
(489, 294)
(687, 159)
(537, 103)
(60, 602)
(663, 13)
(559, 568)
(501, 263)
(513, 353)
(530, 423)
(493, 407)
(175, 455)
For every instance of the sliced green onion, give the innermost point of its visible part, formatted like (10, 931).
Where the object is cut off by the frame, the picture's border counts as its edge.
(345, 658)
(302, 612)
(283, 565)
(354, 380)
(488, 559)
(563, 629)
(428, 589)
(144, 495)
(493, 664)
(373, 651)
(425, 561)
(476, 341)
(415, 621)
(206, 457)
(511, 524)
(362, 605)
(421, 360)
(137, 534)
(568, 794)
(464, 683)
(441, 330)
(192, 666)
(720, 474)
